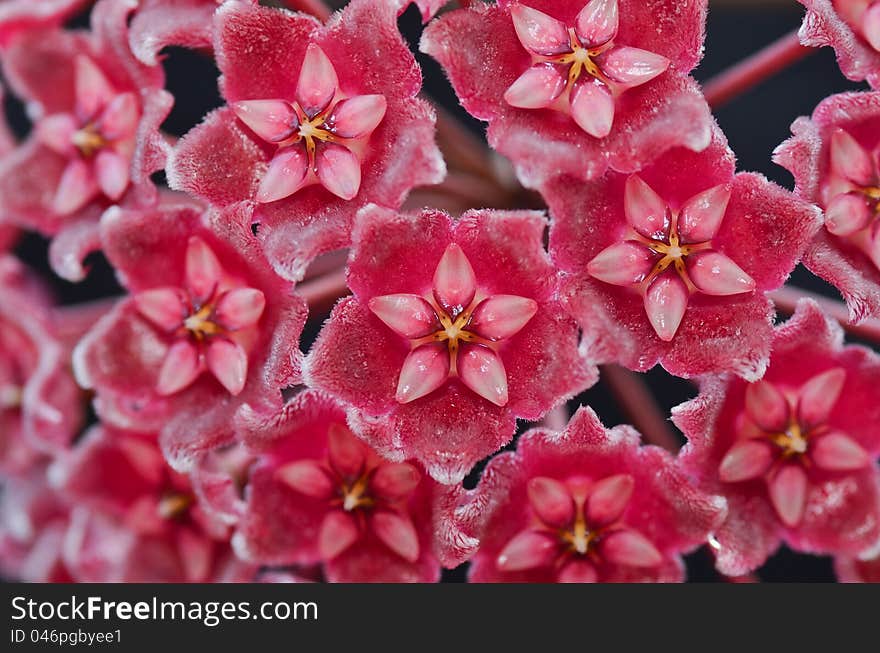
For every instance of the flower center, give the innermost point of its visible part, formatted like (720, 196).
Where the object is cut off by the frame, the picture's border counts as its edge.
(175, 505)
(580, 59)
(88, 140)
(355, 496)
(673, 252)
(792, 442)
(200, 325)
(579, 538)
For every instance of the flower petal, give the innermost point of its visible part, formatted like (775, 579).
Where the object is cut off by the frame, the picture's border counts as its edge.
(551, 501)
(398, 534)
(539, 33)
(817, 397)
(120, 118)
(93, 90)
(715, 274)
(112, 172)
(203, 270)
(592, 107)
(76, 188)
(701, 215)
(393, 481)
(632, 66)
(645, 210)
(317, 81)
(338, 532)
(622, 264)
(271, 120)
(608, 499)
(307, 477)
(358, 116)
(285, 175)
(630, 548)
(536, 88)
(409, 315)
(578, 571)
(481, 370)
(665, 304)
(344, 451)
(871, 25)
(164, 307)
(745, 460)
(788, 494)
(339, 170)
(597, 22)
(240, 308)
(526, 550)
(849, 159)
(454, 281)
(228, 362)
(848, 213)
(56, 132)
(424, 370)
(180, 368)
(767, 406)
(501, 316)
(839, 453)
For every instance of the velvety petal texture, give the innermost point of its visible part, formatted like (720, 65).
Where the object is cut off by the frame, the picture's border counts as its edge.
(812, 484)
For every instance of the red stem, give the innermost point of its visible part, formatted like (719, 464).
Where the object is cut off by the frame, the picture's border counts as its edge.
(636, 400)
(786, 299)
(753, 70)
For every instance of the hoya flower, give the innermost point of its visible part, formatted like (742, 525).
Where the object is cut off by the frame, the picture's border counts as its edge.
(17, 16)
(41, 408)
(852, 28)
(671, 264)
(135, 519)
(322, 119)
(832, 156)
(584, 505)
(95, 141)
(793, 453)
(317, 494)
(454, 331)
(209, 330)
(576, 86)
(161, 23)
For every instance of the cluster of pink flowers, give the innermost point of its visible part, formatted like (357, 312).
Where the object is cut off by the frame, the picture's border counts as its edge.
(223, 452)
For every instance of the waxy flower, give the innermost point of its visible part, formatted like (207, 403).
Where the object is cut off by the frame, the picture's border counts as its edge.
(454, 331)
(575, 86)
(95, 140)
(794, 453)
(135, 519)
(852, 28)
(321, 121)
(671, 265)
(584, 505)
(832, 156)
(317, 494)
(211, 329)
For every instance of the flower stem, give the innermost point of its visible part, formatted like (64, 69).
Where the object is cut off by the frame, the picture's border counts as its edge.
(753, 70)
(636, 400)
(786, 299)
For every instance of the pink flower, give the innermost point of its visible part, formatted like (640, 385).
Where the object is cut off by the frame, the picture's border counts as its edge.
(41, 408)
(832, 157)
(584, 505)
(852, 28)
(575, 86)
(95, 140)
(671, 265)
(209, 330)
(318, 495)
(18, 16)
(322, 120)
(161, 23)
(135, 519)
(793, 453)
(454, 331)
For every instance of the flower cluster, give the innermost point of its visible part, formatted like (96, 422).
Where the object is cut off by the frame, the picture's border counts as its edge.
(239, 435)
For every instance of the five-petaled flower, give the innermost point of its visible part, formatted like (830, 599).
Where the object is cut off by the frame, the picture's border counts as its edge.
(575, 86)
(584, 505)
(454, 331)
(317, 494)
(671, 265)
(794, 452)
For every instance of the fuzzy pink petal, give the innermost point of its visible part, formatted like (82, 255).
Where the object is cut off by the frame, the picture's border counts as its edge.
(502, 316)
(597, 22)
(180, 368)
(817, 397)
(240, 307)
(646, 211)
(608, 499)
(339, 170)
(285, 175)
(666, 301)
(203, 269)
(716, 274)
(112, 172)
(161, 23)
(162, 306)
(622, 264)
(228, 363)
(76, 188)
(527, 550)
(538, 32)
(397, 533)
(839, 452)
(551, 501)
(424, 370)
(632, 66)
(338, 532)
(454, 280)
(592, 107)
(482, 370)
(409, 315)
(536, 88)
(788, 492)
(358, 116)
(271, 120)
(702, 214)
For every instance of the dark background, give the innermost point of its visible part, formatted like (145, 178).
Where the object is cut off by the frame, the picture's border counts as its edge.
(754, 123)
